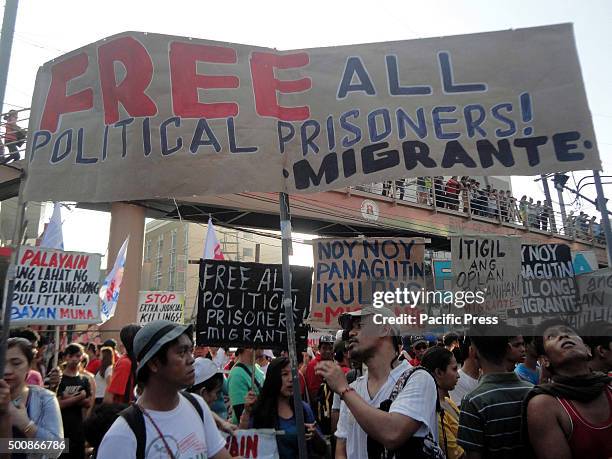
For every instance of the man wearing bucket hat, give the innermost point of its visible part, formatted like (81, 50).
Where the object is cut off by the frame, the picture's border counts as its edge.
(392, 393)
(175, 425)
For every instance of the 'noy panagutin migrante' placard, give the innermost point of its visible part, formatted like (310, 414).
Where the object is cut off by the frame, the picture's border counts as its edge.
(140, 115)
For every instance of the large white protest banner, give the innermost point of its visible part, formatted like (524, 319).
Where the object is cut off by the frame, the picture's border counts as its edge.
(55, 287)
(160, 306)
(142, 115)
(488, 264)
(253, 444)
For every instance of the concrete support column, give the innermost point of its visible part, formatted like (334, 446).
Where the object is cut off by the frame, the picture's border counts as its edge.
(125, 219)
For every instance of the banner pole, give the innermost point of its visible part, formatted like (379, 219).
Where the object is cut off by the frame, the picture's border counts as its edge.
(285, 224)
(9, 283)
(57, 347)
(253, 372)
(6, 45)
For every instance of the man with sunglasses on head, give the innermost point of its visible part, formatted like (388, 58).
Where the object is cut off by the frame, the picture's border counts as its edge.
(392, 408)
(419, 346)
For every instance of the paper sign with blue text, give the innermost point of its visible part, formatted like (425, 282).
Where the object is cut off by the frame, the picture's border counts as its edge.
(348, 271)
(55, 287)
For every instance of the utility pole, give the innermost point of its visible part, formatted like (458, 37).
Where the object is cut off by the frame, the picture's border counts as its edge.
(603, 209)
(6, 44)
(565, 223)
(549, 208)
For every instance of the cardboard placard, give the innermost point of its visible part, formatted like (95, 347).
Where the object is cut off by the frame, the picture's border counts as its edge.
(595, 296)
(489, 264)
(348, 271)
(160, 306)
(56, 287)
(253, 444)
(241, 304)
(549, 287)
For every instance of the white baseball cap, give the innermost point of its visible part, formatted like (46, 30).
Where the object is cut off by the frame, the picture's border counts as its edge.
(268, 353)
(204, 370)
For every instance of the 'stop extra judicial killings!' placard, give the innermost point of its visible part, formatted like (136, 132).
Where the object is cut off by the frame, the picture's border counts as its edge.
(142, 115)
(241, 304)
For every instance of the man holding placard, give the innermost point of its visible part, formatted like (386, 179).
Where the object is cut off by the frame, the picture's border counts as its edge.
(392, 393)
(241, 380)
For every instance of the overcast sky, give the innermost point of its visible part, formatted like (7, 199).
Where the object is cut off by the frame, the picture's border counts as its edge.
(47, 29)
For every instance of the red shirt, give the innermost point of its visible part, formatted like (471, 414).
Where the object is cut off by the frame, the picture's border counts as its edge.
(94, 366)
(586, 439)
(119, 380)
(313, 381)
(452, 186)
(414, 362)
(34, 378)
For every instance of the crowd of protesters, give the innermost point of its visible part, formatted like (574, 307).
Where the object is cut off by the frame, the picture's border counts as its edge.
(467, 195)
(461, 194)
(367, 392)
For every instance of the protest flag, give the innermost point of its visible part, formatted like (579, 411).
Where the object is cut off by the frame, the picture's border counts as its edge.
(212, 248)
(109, 292)
(52, 237)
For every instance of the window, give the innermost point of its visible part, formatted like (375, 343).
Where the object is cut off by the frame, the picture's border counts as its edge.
(172, 261)
(186, 241)
(173, 239)
(158, 263)
(180, 281)
(171, 278)
(247, 252)
(157, 276)
(248, 236)
(160, 246)
(147, 254)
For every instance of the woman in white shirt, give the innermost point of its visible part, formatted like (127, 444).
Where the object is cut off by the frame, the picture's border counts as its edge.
(103, 375)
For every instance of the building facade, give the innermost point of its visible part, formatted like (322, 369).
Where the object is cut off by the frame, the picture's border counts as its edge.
(172, 250)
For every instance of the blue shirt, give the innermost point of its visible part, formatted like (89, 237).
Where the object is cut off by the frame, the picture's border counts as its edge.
(287, 443)
(218, 406)
(527, 374)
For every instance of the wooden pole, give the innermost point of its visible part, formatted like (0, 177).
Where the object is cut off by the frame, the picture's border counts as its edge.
(285, 224)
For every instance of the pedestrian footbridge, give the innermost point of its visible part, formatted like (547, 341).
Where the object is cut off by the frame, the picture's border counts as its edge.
(371, 210)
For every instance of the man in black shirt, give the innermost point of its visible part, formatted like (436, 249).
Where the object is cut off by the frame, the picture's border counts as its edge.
(73, 395)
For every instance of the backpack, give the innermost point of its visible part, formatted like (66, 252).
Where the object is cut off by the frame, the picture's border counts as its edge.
(415, 447)
(248, 372)
(135, 419)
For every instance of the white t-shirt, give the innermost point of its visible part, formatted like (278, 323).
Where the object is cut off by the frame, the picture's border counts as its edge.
(417, 400)
(465, 385)
(101, 381)
(220, 359)
(337, 401)
(182, 428)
